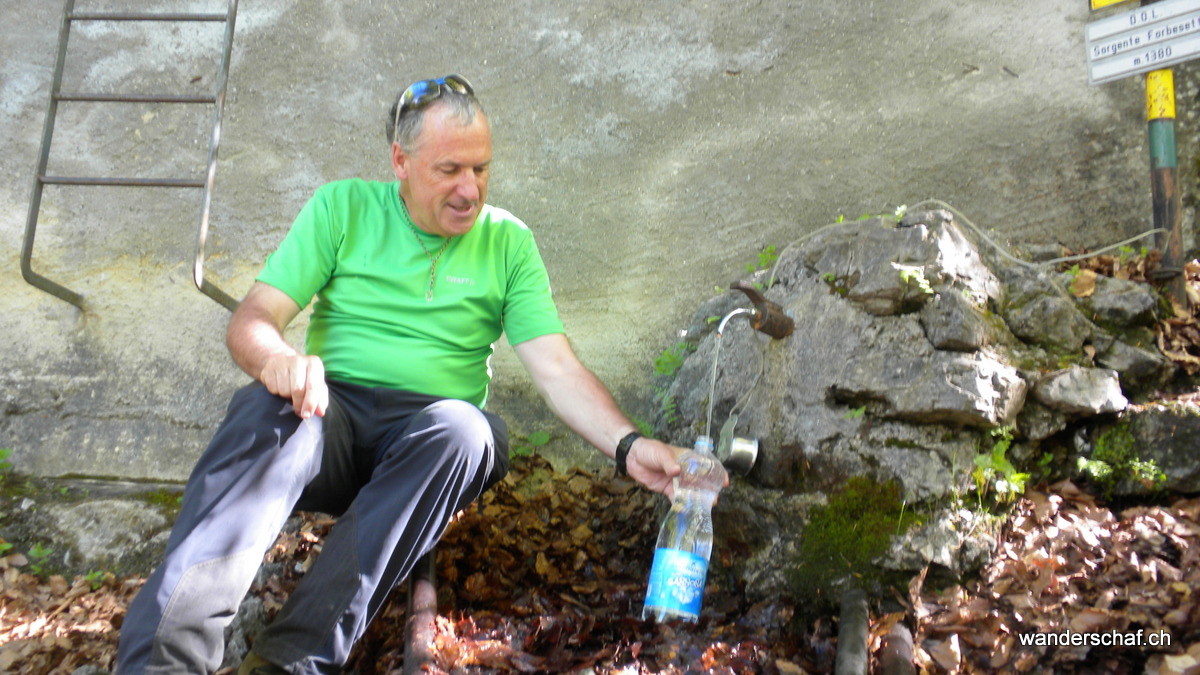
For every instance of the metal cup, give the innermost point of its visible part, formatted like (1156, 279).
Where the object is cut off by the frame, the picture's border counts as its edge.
(743, 453)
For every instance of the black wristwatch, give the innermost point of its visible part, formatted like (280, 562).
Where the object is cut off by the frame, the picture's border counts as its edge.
(623, 451)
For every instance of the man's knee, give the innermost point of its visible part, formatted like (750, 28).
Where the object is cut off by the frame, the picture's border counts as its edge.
(460, 433)
(463, 426)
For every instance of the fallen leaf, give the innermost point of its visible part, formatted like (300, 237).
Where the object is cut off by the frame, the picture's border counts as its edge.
(1084, 284)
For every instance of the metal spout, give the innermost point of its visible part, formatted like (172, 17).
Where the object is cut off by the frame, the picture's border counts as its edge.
(768, 317)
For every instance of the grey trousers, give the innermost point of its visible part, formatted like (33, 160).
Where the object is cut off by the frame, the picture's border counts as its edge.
(395, 465)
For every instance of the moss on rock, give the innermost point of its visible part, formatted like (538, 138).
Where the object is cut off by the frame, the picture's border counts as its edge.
(844, 537)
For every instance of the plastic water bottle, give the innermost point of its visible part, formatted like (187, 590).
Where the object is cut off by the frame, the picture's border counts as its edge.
(685, 540)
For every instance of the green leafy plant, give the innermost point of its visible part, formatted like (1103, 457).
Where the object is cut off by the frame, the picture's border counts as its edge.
(96, 578)
(766, 257)
(994, 470)
(644, 428)
(5, 547)
(38, 557)
(671, 359)
(836, 284)
(1113, 460)
(5, 465)
(855, 413)
(914, 275)
(668, 406)
(525, 446)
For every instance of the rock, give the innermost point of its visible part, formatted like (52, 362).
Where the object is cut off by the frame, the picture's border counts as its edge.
(886, 270)
(959, 540)
(1081, 391)
(1038, 422)
(1039, 311)
(924, 459)
(1140, 369)
(1122, 302)
(240, 633)
(1170, 437)
(940, 388)
(953, 322)
(1049, 321)
(894, 380)
(957, 258)
(106, 531)
(765, 522)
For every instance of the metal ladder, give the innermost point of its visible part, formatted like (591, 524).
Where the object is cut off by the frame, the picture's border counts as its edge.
(57, 96)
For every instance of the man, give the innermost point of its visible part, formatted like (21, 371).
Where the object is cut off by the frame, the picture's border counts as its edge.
(381, 419)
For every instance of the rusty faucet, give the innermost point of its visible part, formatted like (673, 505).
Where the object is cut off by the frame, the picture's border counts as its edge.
(766, 317)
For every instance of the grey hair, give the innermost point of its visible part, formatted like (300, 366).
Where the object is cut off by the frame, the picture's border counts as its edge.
(406, 129)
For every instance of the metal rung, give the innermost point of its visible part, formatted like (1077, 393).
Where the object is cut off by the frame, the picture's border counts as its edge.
(135, 98)
(69, 15)
(123, 182)
(144, 16)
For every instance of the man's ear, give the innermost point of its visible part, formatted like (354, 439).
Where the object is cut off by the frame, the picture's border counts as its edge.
(400, 162)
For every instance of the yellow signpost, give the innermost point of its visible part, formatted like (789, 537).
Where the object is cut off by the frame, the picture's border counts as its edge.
(1150, 40)
(1164, 181)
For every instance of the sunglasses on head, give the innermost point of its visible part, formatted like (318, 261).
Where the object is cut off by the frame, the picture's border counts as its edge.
(422, 93)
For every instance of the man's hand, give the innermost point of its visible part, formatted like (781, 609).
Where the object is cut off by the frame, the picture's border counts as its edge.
(255, 339)
(656, 465)
(300, 378)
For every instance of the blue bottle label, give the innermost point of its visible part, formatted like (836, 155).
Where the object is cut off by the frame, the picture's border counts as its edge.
(677, 581)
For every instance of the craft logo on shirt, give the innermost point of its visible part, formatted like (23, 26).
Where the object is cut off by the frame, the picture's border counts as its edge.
(466, 281)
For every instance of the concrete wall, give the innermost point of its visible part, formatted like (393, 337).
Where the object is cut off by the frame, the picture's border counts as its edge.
(654, 147)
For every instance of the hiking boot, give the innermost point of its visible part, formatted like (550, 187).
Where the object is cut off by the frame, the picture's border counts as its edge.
(257, 665)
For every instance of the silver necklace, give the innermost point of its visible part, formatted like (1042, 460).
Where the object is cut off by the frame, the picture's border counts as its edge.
(433, 257)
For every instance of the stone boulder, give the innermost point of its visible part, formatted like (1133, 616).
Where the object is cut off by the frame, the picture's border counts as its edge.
(953, 322)
(1149, 449)
(1081, 391)
(1142, 368)
(104, 532)
(912, 344)
(1038, 309)
(1169, 436)
(958, 540)
(1121, 302)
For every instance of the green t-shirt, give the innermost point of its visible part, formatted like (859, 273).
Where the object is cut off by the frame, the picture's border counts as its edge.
(351, 246)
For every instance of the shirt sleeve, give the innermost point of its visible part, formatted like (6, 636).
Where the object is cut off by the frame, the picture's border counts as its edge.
(529, 310)
(306, 257)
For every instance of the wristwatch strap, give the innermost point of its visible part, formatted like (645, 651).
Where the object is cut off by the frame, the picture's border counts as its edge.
(623, 452)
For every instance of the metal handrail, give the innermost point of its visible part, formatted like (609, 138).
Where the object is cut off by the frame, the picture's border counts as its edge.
(35, 202)
(56, 96)
(203, 284)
